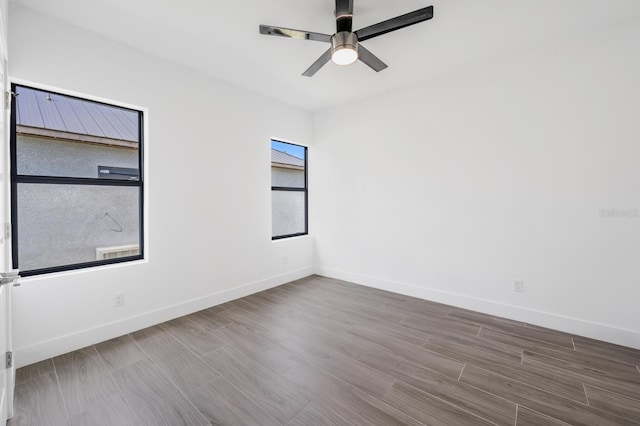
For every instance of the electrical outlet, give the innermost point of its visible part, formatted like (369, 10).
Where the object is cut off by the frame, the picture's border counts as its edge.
(118, 300)
(7, 231)
(518, 286)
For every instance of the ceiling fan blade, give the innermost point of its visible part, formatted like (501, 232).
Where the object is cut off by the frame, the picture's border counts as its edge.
(370, 59)
(344, 15)
(319, 63)
(396, 23)
(287, 32)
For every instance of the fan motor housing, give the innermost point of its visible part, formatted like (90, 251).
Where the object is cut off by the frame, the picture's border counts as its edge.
(344, 40)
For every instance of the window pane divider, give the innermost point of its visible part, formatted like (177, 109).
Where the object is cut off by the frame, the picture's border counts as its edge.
(82, 265)
(287, 188)
(280, 237)
(60, 180)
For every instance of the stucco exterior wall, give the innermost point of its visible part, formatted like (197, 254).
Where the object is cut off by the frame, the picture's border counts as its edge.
(54, 157)
(287, 207)
(287, 177)
(287, 212)
(64, 224)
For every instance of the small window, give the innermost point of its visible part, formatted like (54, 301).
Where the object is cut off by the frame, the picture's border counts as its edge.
(77, 190)
(288, 190)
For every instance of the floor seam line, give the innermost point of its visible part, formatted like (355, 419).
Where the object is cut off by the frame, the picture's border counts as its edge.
(453, 405)
(546, 415)
(530, 385)
(64, 401)
(584, 386)
(126, 401)
(462, 371)
(178, 388)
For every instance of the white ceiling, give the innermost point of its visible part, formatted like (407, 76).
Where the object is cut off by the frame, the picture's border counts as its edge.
(221, 38)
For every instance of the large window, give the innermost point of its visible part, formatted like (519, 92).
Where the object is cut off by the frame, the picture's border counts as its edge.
(77, 187)
(288, 190)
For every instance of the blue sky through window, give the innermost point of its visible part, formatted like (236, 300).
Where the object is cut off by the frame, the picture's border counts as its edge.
(289, 148)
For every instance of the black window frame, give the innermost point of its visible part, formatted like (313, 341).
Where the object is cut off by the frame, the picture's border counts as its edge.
(305, 189)
(60, 180)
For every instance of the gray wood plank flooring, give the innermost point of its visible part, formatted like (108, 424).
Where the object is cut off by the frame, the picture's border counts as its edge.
(84, 379)
(320, 351)
(113, 411)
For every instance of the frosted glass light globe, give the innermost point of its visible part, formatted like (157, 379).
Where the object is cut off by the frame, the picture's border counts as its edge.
(344, 56)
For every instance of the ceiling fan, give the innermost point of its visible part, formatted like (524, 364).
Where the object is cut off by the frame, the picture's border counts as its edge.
(345, 44)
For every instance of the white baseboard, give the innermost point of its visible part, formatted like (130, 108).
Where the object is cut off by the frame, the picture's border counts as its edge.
(71, 342)
(578, 327)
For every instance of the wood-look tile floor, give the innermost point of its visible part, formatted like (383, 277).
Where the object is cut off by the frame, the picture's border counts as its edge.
(324, 352)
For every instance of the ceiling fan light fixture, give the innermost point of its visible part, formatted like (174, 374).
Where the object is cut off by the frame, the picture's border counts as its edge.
(345, 43)
(344, 48)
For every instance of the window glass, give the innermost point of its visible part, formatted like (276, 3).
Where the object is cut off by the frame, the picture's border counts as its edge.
(288, 212)
(51, 157)
(59, 135)
(65, 224)
(77, 179)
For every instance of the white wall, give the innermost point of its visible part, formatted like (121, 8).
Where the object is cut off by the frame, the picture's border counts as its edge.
(453, 189)
(209, 236)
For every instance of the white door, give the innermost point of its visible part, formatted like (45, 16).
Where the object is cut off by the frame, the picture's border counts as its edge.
(7, 276)
(5, 373)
